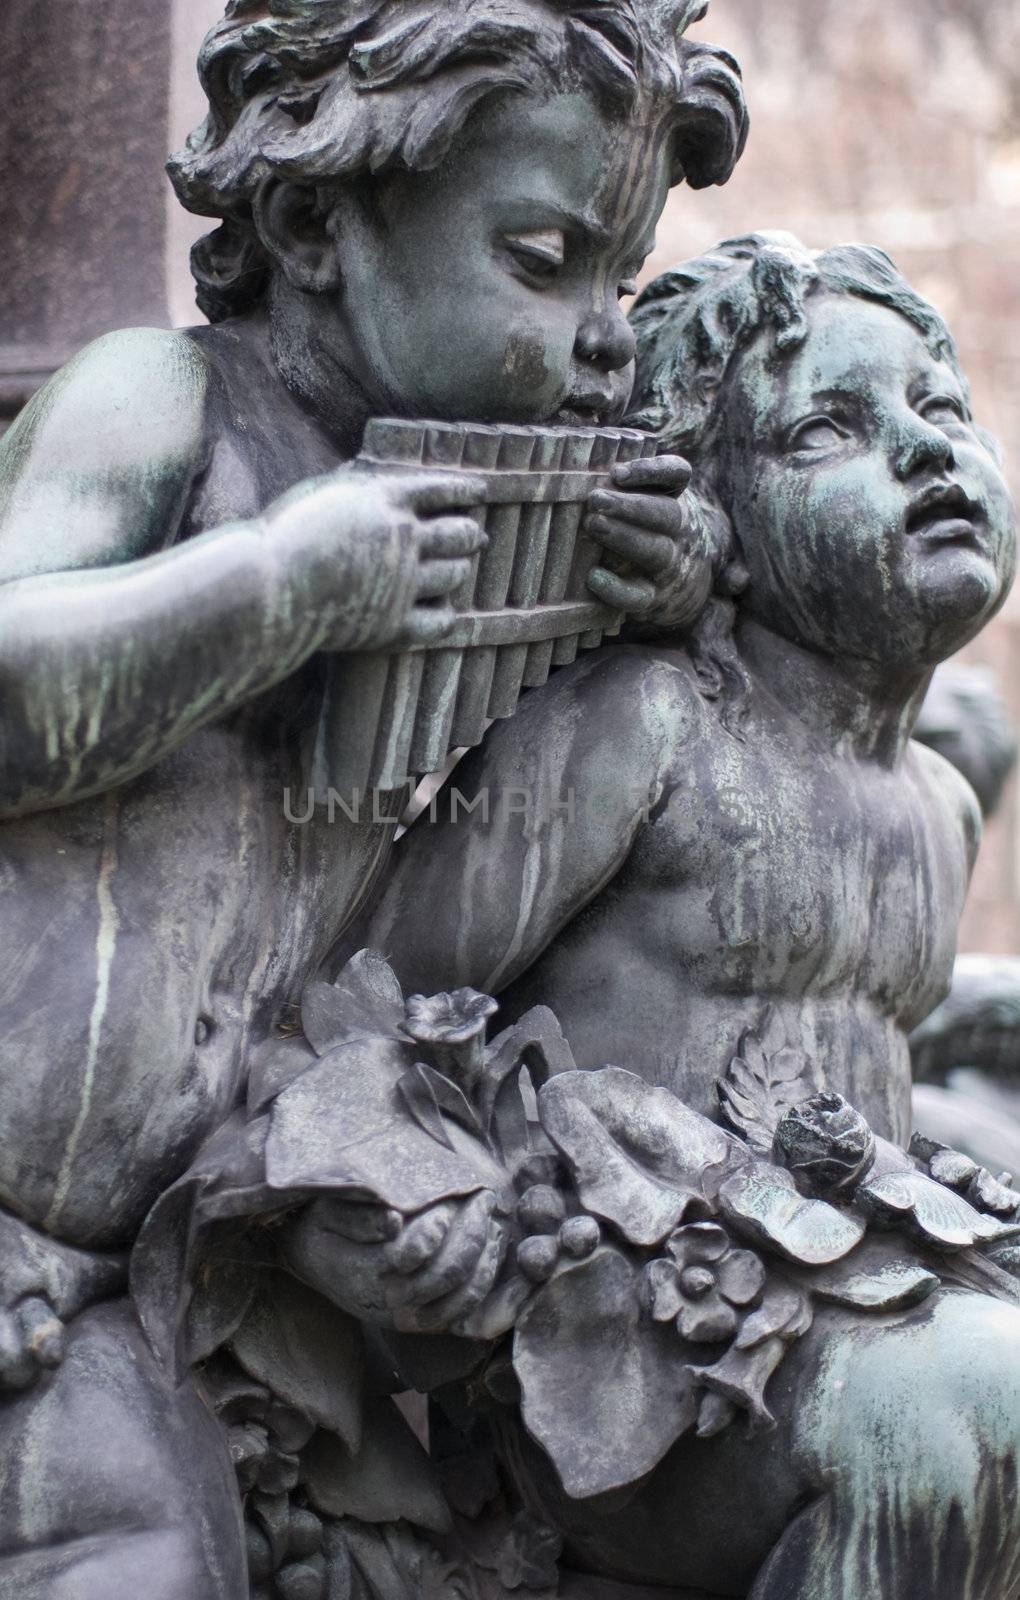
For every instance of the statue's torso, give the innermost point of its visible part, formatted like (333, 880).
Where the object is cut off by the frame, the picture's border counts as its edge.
(826, 888)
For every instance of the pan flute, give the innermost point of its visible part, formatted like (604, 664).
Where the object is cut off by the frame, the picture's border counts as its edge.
(524, 609)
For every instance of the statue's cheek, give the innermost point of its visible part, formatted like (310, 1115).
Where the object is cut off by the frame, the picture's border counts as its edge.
(524, 359)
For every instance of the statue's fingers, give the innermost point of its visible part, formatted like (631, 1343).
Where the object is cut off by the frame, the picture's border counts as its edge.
(654, 553)
(626, 594)
(657, 513)
(450, 536)
(452, 1308)
(668, 474)
(363, 1222)
(439, 1315)
(425, 625)
(437, 579)
(451, 1266)
(17, 1367)
(432, 492)
(420, 1239)
(42, 1331)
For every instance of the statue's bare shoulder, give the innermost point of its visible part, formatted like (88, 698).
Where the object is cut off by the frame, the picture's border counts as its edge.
(97, 470)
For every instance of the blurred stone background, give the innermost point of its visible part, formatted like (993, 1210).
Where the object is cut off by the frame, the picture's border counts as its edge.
(891, 121)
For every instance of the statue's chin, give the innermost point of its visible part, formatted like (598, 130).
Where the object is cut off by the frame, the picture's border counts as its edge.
(961, 591)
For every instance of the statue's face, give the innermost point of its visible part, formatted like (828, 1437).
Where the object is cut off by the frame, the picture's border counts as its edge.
(489, 289)
(873, 520)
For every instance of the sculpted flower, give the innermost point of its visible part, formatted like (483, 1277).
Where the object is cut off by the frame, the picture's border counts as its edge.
(452, 1018)
(703, 1283)
(453, 1026)
(825, 1143)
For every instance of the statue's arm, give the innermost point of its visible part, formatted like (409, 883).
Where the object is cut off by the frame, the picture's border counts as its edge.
(114, 647)
(557, 794)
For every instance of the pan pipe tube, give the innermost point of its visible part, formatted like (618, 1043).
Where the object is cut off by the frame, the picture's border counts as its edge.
(524, 607)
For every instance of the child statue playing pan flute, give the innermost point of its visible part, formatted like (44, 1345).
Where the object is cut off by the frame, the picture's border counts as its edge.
(427, 211)
(754, 847)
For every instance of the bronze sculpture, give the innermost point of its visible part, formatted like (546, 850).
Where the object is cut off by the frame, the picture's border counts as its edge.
(184, 548)
(753, 829)
(690, 1314)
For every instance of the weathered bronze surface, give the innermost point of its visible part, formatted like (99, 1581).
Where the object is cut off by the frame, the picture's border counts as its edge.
(691, 1309)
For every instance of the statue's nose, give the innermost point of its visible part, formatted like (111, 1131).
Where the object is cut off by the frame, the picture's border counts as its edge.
(924, 447)
(605, 340)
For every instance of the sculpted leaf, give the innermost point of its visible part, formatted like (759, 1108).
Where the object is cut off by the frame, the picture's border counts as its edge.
(344, 1126)
(603, 1387)
(783, 1310)
(307, 1352)
(638, 1156)
(991, 1194)
(765, 1080)
(364, 1002)
(939, 1215)
(890, 1286)
(430, 1097)
(419, 1097)
(388, 1478)
(536, 1041)
(763, 1202)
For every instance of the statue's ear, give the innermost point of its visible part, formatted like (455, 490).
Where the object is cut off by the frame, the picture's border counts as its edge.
(292, 227)
(728, 567)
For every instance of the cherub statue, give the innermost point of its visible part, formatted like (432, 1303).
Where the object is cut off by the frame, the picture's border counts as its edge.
(731, 833)
(425, 210)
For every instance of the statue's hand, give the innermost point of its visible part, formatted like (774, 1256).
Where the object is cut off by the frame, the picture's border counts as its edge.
(419, 1276)
(372, 558)
(31, 1342)
(665, 570)
(44, 1284)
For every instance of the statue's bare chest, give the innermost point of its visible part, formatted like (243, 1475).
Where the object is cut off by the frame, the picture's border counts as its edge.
(809, 879)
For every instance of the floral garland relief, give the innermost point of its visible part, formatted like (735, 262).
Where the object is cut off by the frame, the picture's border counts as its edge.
(655, 1267)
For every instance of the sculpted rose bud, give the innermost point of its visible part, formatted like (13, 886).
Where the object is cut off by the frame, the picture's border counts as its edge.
(826, 1144)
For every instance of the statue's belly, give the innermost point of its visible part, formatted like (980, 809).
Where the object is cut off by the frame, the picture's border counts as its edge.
(646, 1010)
(146, 938)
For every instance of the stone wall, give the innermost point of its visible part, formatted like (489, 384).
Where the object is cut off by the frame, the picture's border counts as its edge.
(83, 119)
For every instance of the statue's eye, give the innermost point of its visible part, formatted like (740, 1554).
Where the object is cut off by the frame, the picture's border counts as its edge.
(541, 253)
(817, 433)
(942, 411)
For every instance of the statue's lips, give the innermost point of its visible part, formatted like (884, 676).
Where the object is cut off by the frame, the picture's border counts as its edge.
(945, 515)
(585, 411)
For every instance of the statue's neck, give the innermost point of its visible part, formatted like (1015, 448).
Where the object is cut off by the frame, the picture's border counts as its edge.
(851, 706)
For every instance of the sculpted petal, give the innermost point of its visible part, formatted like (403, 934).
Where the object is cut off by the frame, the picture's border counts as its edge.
(741, 1277)
(707, 1321)
(664, 1290)
(698, 1241)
